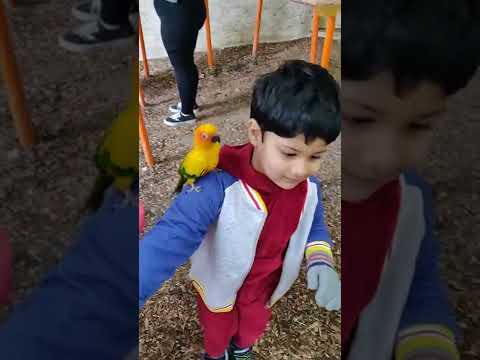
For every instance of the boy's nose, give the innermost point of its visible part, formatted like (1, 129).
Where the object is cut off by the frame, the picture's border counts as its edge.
(386, 163)
(299, 171)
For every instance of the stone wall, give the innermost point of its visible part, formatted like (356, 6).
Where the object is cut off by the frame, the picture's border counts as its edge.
(232, 23)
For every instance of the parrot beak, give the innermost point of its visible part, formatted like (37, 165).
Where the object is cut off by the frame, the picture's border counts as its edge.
(215, 139)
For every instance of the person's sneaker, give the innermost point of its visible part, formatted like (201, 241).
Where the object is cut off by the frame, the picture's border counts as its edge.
(180, 119)
(240, 354)
(96, 34)
(89, 10)
(178, 107)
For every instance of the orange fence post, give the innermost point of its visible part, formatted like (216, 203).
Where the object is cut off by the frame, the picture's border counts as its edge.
(327, 44)
(141, 39)
(14, 84)
(314, 44)
(210, 55)
(147, 150)
(141, 96)
(258, 23)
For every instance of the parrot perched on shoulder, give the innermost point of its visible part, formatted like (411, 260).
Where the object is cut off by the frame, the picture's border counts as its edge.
(117, 156)
(201, 159)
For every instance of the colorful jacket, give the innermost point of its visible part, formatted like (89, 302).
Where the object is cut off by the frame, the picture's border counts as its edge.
(409, 314)
(218, 228)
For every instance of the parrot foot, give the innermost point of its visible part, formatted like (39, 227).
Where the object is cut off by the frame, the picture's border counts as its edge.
(195, 188)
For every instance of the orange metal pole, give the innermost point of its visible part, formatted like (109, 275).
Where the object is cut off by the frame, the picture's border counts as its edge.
(258, 22)
(327, 45)
(210, 55)
(314, 44)
(14, 85)
(146, 69)
(141, 96)
(147, 150)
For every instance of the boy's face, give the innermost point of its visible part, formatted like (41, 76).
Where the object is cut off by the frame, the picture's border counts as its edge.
(285, 161)
(383, 134)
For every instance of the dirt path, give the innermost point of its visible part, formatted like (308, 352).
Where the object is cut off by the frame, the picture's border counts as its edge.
(71, 102)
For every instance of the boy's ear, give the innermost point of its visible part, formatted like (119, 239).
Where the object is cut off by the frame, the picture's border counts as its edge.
(254, 132)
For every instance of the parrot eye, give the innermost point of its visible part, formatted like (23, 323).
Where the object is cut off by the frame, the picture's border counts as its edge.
(204, 136)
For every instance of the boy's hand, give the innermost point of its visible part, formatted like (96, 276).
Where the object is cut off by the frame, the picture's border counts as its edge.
(325, 280)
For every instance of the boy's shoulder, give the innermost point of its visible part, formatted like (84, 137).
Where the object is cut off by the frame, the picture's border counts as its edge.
(315, 180)
(213, 185)
(412, 178)
(217, 179)
(318, 185)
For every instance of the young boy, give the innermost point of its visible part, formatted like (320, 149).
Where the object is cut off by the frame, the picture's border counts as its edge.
(249, 227)
(399, 65)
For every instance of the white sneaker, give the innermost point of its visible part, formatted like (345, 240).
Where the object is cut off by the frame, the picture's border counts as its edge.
(178, 107)
(97, 34)
(88, 10)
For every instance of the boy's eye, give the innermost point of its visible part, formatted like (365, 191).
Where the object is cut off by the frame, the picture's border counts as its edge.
(420, 126)
(316, 157)
(362, 120)
(289, 154)
(358, 120)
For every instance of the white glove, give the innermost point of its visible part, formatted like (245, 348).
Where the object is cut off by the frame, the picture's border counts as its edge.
(325, 280)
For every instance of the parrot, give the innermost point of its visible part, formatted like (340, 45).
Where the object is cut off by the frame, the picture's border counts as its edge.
(116, 157)
(201, 159)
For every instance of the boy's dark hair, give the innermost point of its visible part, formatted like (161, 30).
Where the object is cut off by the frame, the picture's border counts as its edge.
(421, 40)
(298, 98)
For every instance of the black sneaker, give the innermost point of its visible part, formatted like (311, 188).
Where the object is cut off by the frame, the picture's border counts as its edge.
(89, 10)
(225, 357)
(96, 34)
(240, 354)
(178, 107)
(180, 119)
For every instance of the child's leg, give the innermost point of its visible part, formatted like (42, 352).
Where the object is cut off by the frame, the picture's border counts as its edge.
(218, 329)
(253, 319)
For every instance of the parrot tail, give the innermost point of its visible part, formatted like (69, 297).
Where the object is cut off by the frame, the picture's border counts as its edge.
(179, 186)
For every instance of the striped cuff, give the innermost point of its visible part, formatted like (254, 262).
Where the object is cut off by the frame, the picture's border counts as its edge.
(423, 341)
(319, 253)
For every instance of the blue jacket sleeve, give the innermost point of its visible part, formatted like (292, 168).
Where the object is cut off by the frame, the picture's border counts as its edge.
(85, 308)
(319, 230)
(428, 300)
(173, 240)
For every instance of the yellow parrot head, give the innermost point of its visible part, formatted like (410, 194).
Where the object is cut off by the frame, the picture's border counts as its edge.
(205, 136)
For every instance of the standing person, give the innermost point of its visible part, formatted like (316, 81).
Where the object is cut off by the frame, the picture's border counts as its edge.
(181, 20)
(107, 22)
